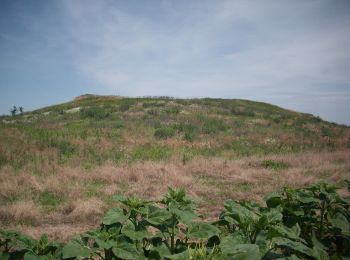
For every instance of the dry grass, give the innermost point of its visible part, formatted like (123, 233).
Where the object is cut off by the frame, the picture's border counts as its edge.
(209, 181)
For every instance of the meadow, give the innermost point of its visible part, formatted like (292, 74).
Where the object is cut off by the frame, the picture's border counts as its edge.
(61, 165)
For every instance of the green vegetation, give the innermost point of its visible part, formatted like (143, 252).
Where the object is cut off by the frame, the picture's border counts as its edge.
(308, 223)
(269, 164)
(50, 200)
(164, 132)
(98, 129)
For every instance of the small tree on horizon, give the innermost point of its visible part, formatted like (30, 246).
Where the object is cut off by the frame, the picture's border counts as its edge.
(14, 111)
(21, 109)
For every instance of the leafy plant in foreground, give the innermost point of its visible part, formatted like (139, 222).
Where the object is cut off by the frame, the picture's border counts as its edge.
(309, 223)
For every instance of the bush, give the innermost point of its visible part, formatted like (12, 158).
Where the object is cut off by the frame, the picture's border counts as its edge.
(150, 152)
(164, 132)
(212, 126)
(96, 112)
(269, 164)
(124, 107)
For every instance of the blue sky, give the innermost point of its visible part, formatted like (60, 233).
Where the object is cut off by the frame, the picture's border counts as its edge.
(295, 54)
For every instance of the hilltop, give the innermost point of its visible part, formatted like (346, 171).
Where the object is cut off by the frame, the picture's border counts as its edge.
(60, 164)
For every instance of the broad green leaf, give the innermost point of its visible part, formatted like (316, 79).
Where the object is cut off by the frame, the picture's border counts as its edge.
(202, 230)
(320, 254)
(296, 229)
(293, 245)
(283, 231)
(273, 199)
(340, 221)
(129, 230)
(125, 250)
(185, 215)
(179, 256)
(274, 215)
(317, 243)
(229, 241)
(241, 251)
(159, 252)
(74, 249)
(114, 215)
(32, 256)
(103, 244)
(158, 216)
(239, 213)
(4, 256)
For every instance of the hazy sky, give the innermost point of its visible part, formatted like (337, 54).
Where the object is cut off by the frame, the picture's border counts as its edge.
(295, 54)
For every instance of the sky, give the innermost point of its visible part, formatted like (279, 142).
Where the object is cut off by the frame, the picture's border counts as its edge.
(294, 54)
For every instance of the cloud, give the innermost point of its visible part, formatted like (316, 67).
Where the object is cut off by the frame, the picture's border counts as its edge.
(234, 49)
(204, 47)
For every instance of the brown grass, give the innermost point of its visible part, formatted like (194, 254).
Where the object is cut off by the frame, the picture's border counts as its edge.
(209, 181)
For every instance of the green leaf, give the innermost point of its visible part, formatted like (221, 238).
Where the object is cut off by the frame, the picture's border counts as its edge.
(293, 245)
(158, 216)
(274, 215)
(283, 231)
(202, 230)
(317, 243)
(320, 254)
(340, 221)
(229, 241)
(125, 250)
(241, 251)
(32, 256)
(185, 215)
(129, 230)
(113, 216)
(179, 256)
(159, 252)
(103, 244)
(4, 256)
(273, 199)
(74, 249)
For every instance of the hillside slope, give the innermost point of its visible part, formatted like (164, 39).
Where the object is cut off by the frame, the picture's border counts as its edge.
(96, 129)
(60, 165)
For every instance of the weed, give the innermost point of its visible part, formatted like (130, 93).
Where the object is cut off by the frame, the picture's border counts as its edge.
(50, 200)
(164, 132)
(95, 112)
(150, 152)
(274, 165)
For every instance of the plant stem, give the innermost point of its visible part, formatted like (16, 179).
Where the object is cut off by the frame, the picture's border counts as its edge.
(322, 217)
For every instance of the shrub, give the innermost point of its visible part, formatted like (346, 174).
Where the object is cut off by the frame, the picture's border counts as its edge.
(212, 126)
(269, 164)
(150, 152)
(95, 112)
(50, 200)
(124, 107)
(164, 132)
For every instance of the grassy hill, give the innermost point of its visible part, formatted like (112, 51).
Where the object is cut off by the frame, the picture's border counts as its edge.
(59, 165)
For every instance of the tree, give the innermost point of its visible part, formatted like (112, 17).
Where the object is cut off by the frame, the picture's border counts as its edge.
(21, 109)
(14, 111)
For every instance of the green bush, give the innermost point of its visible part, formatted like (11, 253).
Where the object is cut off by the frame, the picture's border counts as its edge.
(50, 200)
(150, 152)
(164, 132)
(212, 125)
(64, 147)
(124, 107)
(95, 112)
(270, 164)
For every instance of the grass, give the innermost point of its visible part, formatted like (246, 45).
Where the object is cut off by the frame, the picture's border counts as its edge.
(60, 164)
(50, 200)
(270, 164)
